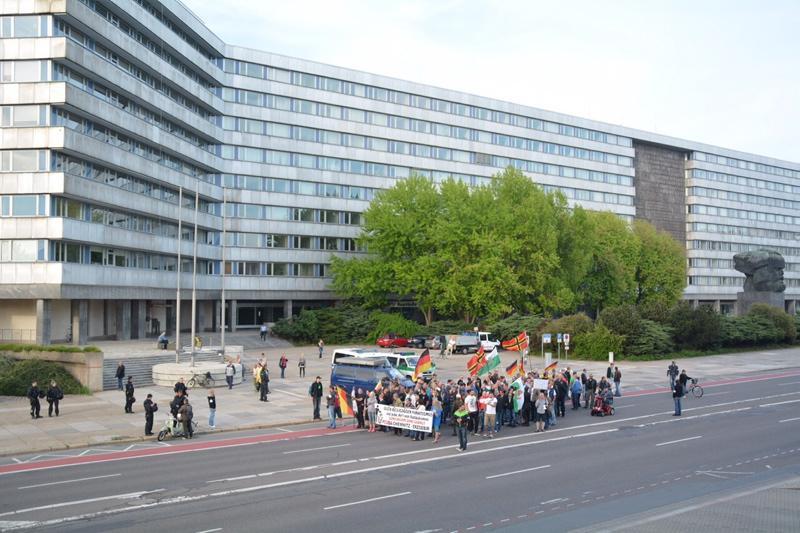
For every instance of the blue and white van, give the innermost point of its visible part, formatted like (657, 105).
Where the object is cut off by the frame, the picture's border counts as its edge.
(364, 373)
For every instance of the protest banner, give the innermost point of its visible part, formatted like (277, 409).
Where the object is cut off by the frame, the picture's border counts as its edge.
(540, 384)
(404, 418)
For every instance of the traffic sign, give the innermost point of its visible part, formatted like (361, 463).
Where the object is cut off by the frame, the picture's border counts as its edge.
(546, 338)
(566, 339)
(560, 338)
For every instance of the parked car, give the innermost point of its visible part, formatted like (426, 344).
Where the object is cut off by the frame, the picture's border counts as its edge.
(420, 341)
(391, 340)
(406, 362)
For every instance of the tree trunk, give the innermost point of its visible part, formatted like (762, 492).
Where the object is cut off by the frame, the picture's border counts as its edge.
(428, 314)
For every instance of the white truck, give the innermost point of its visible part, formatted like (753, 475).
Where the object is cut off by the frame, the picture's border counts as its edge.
(468, 341)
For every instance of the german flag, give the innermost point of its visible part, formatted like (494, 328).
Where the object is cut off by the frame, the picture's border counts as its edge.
(344, 402)
(424, 364)
(477, 362)
(517, 344)
(551, 367)
(512, 369)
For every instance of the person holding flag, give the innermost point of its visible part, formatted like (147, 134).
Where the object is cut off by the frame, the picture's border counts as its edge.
(424, 364)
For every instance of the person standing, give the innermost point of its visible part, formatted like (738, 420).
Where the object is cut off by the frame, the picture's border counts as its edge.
(301, 366)
(577, 390)
(617, 379)
(591, 387)
(150, 407)
(282, 364)
(315, 391)
(332, 401)
(54, 395)
(372, 410)
(263, 332)
(610, 372)
(490, 413)
(677, 394)
(540, 410)
(129, 399)
(180, 386)
(185, 415)
(174, 406)
(561, 396)
(264, 383)
(321, 346)
(120, 374)
(33, 397)
(212, 408)
(230, 371)
(360, 401)
(672, 372)
(471, 404)
(461, 419)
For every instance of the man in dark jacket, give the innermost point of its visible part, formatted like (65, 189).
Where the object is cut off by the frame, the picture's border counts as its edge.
(54, 395)
(174, 406)
(672, 372)
(677, 394)
(561, 396)
(315, 391)
(120, 374)
(591, 387)
(264, 383)
(129, 399)
(33, 397)
(150, 407)
(180, 386)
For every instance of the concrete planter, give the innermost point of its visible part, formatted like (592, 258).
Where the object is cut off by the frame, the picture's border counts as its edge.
(86, 367)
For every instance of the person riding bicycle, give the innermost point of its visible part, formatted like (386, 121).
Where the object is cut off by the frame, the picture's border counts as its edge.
(683, 379)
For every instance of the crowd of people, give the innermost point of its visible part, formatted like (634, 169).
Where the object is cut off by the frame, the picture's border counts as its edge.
(477, 406)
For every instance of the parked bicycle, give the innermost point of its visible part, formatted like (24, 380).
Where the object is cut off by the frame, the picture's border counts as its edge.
(694, 389)
(201, 380)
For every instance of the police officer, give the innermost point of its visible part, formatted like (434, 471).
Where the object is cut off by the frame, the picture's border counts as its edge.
(129, 399)
(150, 407)
(33, 397)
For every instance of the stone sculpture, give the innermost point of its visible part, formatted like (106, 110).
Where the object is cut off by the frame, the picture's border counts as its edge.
(763, 268)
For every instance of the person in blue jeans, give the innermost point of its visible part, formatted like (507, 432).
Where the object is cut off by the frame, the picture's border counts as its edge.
(677, 394)
(332, 401)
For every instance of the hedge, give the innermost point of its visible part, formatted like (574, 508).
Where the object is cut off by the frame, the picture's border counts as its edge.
(46, 348)
(17, 376)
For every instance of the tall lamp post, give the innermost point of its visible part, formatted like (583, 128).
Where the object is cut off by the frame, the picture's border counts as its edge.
(194, 270)
(224, 244)
(178, 295)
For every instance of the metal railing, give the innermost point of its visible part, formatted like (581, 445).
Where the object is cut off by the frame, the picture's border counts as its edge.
(24, 336)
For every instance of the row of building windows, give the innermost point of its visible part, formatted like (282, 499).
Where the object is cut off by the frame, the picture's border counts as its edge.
(591, 196)
(22, 250)
(77, 167)
(741, 197)
(67, 208)
(24, 71)
(745, 165)
(726, 212)
(719, 246)
(299, 242)
(260, 268)
(392, 121)
(743, 231)
(24, 26)
(23, 205)
(296, 105)
(156, 118)
(323, 83)
(23, 160)
(727, 264)
(158, 12)
(23, 116)
(70, 252)
(61, 117)
(157, 83)
(148, 43)
(753, 183)
(730, 281)
(296, 214)
(311, 188)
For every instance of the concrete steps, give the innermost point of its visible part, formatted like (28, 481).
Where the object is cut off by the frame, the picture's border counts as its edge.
(141, 368)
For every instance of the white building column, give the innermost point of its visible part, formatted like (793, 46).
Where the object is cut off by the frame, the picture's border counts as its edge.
(44, 311)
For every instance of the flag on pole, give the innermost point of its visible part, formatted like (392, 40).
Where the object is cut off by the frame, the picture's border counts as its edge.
(424, 364)
(552, 366)
(344, 402)
(521, 367)
(519, 393)
(492, 361)
(476, 362)
(513, 368)
(517, 344)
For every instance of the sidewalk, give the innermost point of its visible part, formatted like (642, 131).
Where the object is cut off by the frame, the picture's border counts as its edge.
(99, 419)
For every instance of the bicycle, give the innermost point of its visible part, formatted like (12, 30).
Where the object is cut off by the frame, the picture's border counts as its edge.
(694, 389)
(201, 380)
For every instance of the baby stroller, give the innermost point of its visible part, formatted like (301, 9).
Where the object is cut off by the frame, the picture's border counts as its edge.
(603, 405)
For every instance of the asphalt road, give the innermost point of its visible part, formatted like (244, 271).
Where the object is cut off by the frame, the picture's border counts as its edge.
(629, 470)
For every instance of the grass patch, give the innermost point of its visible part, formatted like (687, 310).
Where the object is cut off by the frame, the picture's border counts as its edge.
(49, 348)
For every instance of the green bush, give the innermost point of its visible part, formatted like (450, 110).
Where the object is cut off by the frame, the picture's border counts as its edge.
(652, 339)
(654, 310)
(18, 377)
(300, 328)
(699, 328)
(575, 325)
(390, 323)
(511, 326)
(779, 317)
(594, 345)
(749, 330)
(47, 348)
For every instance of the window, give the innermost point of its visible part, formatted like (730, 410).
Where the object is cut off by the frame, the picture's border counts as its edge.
(23, 250)
(24, 206)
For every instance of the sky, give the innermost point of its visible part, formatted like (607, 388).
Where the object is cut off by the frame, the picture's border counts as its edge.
(725, 73)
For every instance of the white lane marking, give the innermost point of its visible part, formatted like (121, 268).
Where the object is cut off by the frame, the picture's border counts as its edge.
(126, 496)
(554, 500)
(249, 476)
(778, 403)
(16, 460)
(284, 430)
(624, 406)
(788, 420)
(377, 498)
(518, 472)
(315, 449)
(718, 393)
(67, 481)
(289, 393)
(679, 440)
(785, 384)
(210, 530)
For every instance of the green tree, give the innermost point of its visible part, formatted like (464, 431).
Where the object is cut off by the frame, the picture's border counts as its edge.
(661, 266)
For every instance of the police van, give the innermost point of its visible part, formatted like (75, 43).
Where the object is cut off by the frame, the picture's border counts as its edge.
(364, 373)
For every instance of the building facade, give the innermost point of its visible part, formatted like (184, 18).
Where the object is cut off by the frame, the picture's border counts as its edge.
(120, 116)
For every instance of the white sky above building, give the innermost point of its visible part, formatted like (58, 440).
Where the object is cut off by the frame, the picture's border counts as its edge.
(724, 72)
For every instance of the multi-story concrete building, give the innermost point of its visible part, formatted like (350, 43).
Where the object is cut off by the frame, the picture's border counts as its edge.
(113, 109)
